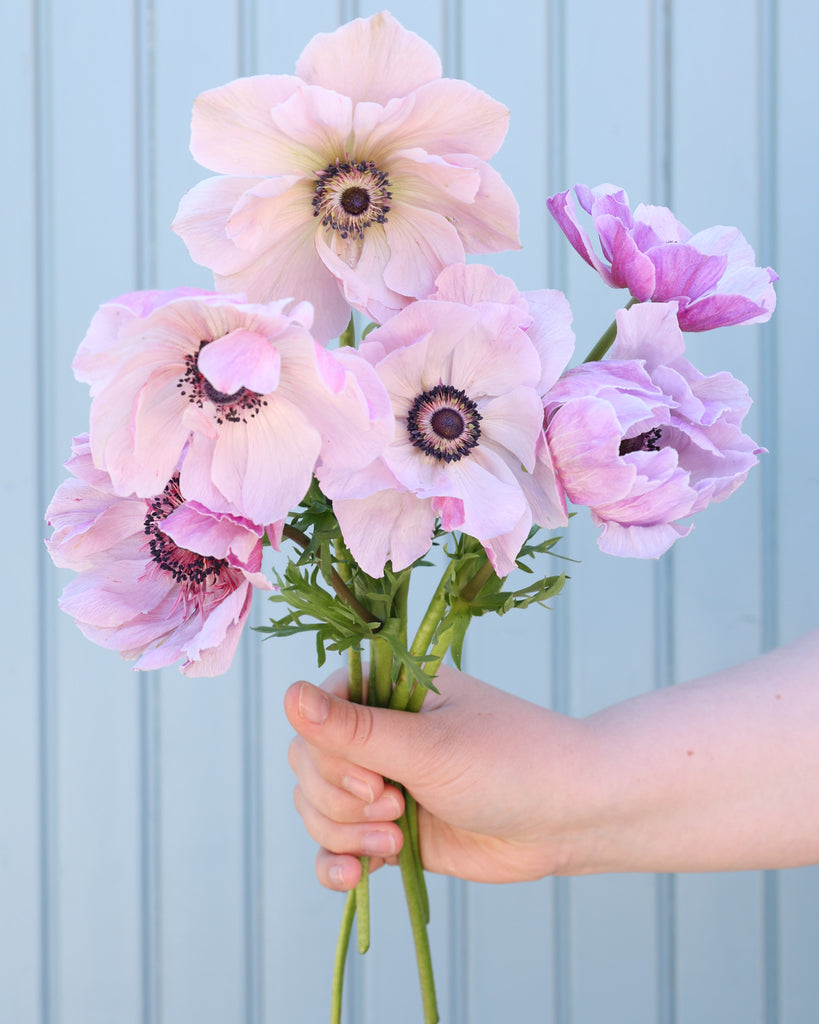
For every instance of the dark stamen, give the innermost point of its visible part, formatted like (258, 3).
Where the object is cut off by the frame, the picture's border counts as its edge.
(447, 423)
(350, 195)
(355, 200)
(242, 405)
(444, 423)
(645, 442)
(185, 566)
(219, 397)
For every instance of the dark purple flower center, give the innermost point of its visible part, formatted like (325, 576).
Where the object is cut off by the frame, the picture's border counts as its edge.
(242, 405)
(444, 423)
(185, 566)
(648, 441)
(350, 196)
(355, 201)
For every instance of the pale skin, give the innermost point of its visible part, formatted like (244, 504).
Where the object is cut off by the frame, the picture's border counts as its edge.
(721, 773)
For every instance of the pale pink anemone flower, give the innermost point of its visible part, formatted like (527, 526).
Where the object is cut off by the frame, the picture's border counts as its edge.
(466, 372)
(352, 183)
(242, 394)
(711, 275)
(644, 439)
(159, 578)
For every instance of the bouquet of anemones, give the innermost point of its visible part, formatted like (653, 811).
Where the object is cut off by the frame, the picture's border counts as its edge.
(225, 421)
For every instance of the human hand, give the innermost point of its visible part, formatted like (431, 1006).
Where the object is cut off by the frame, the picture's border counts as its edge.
(718, 774)
(489, 771)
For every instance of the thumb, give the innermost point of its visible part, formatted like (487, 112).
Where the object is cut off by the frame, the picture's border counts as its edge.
(385, 741)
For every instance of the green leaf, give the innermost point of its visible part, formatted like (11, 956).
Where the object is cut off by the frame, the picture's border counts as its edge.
(347, 337)
(503, 601)
(454, 627)
(311, 608)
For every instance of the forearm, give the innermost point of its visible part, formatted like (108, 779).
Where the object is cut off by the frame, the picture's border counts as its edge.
(718, 774)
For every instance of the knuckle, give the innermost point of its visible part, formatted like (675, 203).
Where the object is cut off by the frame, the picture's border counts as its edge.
(294, 752)
(358, 725)
(338, 806)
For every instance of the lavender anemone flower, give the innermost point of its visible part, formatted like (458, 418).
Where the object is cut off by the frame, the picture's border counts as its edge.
(465, 371)
(159, 578)
(242, 394)
(643, 438)
(711, 275)
(353, 182)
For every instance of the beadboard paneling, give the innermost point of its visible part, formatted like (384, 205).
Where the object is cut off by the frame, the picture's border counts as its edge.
(152, 867)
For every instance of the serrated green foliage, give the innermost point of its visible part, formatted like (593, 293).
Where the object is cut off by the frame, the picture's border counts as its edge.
(311, 608)
(503, 601)
(316, 520)
(377, 594)
(474, 590)
(530, 550)
(328, 594)
(453, 631)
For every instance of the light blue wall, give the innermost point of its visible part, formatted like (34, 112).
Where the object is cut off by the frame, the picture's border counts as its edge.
(152, 869)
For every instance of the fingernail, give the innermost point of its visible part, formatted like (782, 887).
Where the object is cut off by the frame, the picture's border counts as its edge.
(384, 809)
(337, 875)
(378, 843)
(358, 787)
(314, 705)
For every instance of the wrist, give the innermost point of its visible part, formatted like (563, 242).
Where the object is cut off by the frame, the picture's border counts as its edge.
(570, 818)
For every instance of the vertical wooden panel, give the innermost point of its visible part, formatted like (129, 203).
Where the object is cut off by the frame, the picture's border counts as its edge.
(555, 178)
(608, 118)
(768, 90)
(716, 168)
(715, 171)
(96, 939)
(662, 193)
(798, 355)
(203, 927)
(21, 909)
(252, 734)
(43, 431)
(797, 465)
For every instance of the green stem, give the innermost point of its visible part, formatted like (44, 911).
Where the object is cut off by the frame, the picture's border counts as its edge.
(356, 675)
(409, 876)
(356, 688)
(433, 615)
(362, 906)
(341, 957)
(382, 678)
(362, 890)
(426, 630)
(475, 585)
(401, 692)
(338, 584)
(606, 339)
(381, 693)
(437, 655)
(400, 605)
(411, 805)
